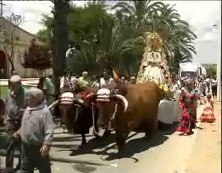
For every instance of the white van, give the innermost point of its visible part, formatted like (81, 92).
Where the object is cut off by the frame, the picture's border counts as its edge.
(191, 69)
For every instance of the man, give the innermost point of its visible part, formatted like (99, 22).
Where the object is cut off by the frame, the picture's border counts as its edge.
(83, 81)
(65, 83)
(46, 85)
(132, 80)
(15, 105)
(36, 134)
(103, 79)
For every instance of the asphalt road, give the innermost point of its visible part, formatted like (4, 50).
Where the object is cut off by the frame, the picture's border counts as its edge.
(164, 152)
(167, 152)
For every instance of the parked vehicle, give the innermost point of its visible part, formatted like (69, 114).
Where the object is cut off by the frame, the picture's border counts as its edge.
(190, 69)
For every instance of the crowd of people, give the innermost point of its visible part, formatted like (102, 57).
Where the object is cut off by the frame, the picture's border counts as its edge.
(190, 93)
(30, 124)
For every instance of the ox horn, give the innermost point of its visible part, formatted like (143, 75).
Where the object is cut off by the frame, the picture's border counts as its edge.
(53, 104)
(125, 102)
(80, 101)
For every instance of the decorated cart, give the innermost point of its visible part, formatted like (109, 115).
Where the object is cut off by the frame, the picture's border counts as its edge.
(154, 66)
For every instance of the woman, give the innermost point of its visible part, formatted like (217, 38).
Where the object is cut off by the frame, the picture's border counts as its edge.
(208, 112)
(188, 104)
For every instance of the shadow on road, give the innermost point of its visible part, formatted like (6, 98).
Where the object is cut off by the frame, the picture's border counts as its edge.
(133, 145)
(66, 138)
(84, 168)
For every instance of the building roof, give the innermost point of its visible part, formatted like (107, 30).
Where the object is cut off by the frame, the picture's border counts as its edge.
(6, 20)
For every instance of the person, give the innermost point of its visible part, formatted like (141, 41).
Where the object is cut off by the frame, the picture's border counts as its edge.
(188, 104)
(65, 83)
(83, 81)
(15, 104)
(208, 112)
(46, 85)
(104, 79)
(208, 89)
(95, 81)
(36, 133)
(202, 87)
(214, 87)
(132, 80)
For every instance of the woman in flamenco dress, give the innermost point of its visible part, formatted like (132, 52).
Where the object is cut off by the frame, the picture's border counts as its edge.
(208, 112)
(188, 105)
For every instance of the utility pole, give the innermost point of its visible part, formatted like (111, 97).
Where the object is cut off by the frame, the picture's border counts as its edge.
(219, 63)
(1, 21)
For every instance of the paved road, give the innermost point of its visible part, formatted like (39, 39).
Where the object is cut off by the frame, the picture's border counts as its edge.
(166, 153)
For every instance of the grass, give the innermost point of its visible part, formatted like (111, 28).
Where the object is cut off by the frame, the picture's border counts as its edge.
(4, 89)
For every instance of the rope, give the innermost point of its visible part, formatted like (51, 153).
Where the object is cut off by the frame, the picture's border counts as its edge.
(114, 113)
(77, 112)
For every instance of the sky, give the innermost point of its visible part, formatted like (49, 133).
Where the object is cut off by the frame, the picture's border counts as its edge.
(201, 15)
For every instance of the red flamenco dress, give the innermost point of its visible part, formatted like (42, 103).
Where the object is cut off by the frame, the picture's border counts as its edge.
(185, 120)
(208, 113)
(187, 105)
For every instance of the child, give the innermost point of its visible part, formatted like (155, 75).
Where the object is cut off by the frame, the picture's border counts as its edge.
(208, 112)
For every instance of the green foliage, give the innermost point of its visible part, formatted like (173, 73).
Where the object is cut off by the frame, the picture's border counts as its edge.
(46, 33)
(211, 70)
(105, 39)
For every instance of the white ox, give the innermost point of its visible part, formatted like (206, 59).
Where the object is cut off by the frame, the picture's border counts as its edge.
(169, 111)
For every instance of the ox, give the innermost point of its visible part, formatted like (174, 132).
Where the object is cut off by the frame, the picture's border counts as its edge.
(77, 113)
(133, 107)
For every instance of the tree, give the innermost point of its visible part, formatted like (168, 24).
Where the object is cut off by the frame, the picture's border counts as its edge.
(116, 39)
(211, 70)
(137, 10)
(163, 19)
(45, 34)
(175, 32)
(10, 36)
(60, 38)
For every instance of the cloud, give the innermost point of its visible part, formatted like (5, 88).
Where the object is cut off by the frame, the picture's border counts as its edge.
(201, 15)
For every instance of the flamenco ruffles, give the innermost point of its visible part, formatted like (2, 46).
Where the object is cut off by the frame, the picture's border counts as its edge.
(207, 116)
(184, 122)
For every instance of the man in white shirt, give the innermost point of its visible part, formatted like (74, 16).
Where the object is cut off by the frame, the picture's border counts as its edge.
(64, 83)
(103, 79)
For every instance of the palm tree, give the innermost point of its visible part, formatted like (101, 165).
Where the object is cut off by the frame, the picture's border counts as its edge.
(176, 34)
(138, 11)
(163, 19)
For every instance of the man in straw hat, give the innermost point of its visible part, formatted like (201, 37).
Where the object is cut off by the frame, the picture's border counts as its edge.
(15, 105)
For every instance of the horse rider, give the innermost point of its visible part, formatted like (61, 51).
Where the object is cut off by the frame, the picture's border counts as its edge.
(15, 105)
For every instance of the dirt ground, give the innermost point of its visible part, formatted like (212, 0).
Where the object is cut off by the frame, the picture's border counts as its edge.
(206, 155)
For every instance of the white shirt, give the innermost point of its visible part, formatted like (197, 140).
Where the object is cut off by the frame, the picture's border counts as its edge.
(102, 81)
(62, 81)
